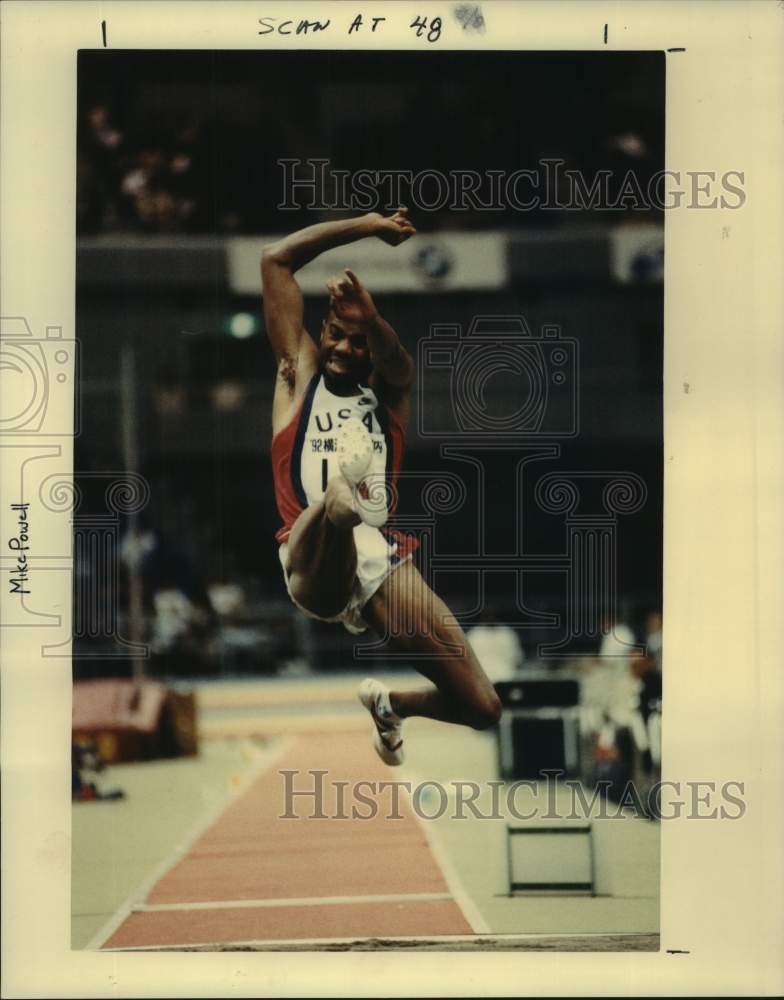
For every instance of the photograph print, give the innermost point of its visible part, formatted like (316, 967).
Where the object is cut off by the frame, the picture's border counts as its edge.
(368, 499)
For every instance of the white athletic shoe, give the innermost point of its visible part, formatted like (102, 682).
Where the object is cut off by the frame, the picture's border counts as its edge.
(388, 737)
(355, 451)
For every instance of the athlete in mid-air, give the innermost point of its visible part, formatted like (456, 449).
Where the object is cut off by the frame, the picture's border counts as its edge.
(339, 415)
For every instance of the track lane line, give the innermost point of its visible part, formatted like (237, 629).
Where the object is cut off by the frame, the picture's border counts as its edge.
(183, 871)
(470, 911)
(266, 759)
(233, 904)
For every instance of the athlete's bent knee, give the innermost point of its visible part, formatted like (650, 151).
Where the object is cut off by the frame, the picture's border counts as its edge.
(485, 713)
(320, 605)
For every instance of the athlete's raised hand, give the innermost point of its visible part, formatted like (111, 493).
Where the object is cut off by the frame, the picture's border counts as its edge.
(396, 228)
(350, 300)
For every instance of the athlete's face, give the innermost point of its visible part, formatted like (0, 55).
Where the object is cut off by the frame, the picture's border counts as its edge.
(344, 356)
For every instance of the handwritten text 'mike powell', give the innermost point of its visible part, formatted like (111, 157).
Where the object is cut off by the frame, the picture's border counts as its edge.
(19, 545)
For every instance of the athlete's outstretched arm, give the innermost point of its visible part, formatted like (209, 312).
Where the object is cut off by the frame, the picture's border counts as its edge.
(283, 306)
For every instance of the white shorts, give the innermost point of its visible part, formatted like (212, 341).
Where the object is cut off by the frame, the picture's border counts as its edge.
(376, 558)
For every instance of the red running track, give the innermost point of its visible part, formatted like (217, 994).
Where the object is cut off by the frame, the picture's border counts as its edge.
(254, 876)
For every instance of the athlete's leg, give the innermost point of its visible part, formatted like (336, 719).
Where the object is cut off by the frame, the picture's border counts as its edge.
(419, 622)
(322, 557)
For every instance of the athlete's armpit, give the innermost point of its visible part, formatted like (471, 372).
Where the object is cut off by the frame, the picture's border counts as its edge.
(287, 372)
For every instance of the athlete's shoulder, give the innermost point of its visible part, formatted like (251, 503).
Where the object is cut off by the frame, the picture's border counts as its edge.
(288, 411)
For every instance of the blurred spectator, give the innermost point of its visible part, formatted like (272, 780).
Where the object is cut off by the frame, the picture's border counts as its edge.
(176, 620)
(630, 144)
(100, 149)
(86, 764)
(184, 174)
(497, 648)
(228, 599)
(649, 695)
(143, 185)
(617, 643)
(609, 690)
(169, 395)
(228, 395)
(246, 644)
(653, 637)
(643, 668)
(100, 130)
(613, 759)
(627, 730)
(183, 615)
(215, 125)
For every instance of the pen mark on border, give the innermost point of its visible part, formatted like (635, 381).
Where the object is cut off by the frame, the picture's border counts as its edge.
(677, 951)
(103, 32)
(676, 50)
(605, 34)
(470, 17)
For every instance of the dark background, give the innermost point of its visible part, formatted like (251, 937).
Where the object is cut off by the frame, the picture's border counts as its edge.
(236, 113)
